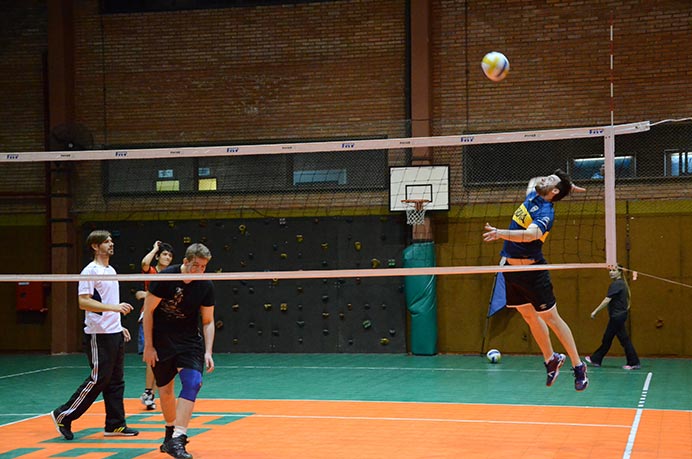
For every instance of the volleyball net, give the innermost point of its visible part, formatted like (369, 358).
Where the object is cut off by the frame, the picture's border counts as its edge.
(273, 210)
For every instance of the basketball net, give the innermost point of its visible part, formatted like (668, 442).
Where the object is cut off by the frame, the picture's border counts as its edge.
(415, 210)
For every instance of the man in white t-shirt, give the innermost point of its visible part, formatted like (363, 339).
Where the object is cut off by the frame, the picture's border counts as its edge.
(104, 345)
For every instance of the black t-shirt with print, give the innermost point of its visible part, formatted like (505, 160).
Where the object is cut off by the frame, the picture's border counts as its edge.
(176, 319)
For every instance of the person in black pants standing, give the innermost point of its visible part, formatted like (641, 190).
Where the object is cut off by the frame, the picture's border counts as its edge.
(104, 338)
(618, 302)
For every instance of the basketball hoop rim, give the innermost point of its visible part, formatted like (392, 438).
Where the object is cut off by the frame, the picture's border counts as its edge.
(419, 204)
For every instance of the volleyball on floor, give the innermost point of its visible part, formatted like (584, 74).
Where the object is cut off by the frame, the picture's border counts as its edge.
(495, 66)
(493, 356)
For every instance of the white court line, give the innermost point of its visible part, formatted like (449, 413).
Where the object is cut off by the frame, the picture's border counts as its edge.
(637, 418)
(460, 421)
(362, 368)
(373, 418)
(24, 373)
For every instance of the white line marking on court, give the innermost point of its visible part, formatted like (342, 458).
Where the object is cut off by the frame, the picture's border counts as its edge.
(637, 418)
(29, 372)
(460, 421)
(317, 367)
(33, 416)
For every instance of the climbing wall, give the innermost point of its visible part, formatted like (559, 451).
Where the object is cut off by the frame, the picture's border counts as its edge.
(359, 315)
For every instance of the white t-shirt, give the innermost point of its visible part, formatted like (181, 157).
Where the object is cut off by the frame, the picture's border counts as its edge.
(107, 292)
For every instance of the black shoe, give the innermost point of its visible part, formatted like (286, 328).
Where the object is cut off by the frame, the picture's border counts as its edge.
(121, 432)
(64, 429)
(176, 447)
(169, 435)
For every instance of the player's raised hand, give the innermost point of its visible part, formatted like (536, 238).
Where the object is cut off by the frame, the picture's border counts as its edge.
(490, 233)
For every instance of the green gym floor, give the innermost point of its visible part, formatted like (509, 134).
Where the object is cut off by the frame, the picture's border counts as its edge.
(368, 406)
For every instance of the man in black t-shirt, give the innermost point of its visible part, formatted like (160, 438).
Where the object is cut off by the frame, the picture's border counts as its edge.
(173, 344)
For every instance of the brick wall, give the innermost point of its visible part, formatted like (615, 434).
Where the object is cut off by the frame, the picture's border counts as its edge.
(560, 65)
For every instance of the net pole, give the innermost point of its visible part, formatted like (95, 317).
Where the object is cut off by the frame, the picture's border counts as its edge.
(610, 210)
(609, 157)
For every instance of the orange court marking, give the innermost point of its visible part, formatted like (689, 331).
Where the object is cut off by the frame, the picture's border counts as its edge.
(284, 429)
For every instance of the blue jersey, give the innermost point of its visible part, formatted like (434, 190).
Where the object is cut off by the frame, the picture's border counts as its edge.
(534, 210)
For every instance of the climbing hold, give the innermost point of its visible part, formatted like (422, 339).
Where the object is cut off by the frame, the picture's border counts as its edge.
(391, 263)
(267, 306)
(242, 228)
(357, 245)
(325, 298)
(342, 316)
(374, 262)
(299, 289)
(325, 315)
(282, 222)
(325, 331)
(187, 240)
(300, 323)
(284, 255)
(349, 306)
(203, 239)
(384, 341)
(299, 238)
(235, 341)
(367, 324)
(324, 245)
(275, 332)
(219, 324)
(392, 332)
(284, 307)
(132, 266)
(235, 307)
(383, 306)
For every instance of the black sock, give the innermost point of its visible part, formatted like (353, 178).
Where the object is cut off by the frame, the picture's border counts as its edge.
(169, 432)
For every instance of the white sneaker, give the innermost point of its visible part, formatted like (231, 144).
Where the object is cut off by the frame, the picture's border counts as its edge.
(148, 400)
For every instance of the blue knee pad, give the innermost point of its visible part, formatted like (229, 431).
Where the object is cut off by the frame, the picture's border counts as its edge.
(192, 383)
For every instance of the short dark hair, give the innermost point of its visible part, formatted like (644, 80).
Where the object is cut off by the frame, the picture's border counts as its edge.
(165, 247)
(564, 185)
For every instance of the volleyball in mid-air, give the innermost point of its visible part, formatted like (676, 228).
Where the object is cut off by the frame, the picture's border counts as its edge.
(493, 356)
(495, 66)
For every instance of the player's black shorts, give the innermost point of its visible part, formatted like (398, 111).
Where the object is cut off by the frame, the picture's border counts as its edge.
(165, 370)
(533, 287)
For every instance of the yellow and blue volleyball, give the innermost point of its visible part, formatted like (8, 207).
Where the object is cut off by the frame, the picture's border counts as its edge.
(495, 66)
(493, 356)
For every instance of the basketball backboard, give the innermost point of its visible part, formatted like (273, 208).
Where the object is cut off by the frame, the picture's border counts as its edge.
(419, 182)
